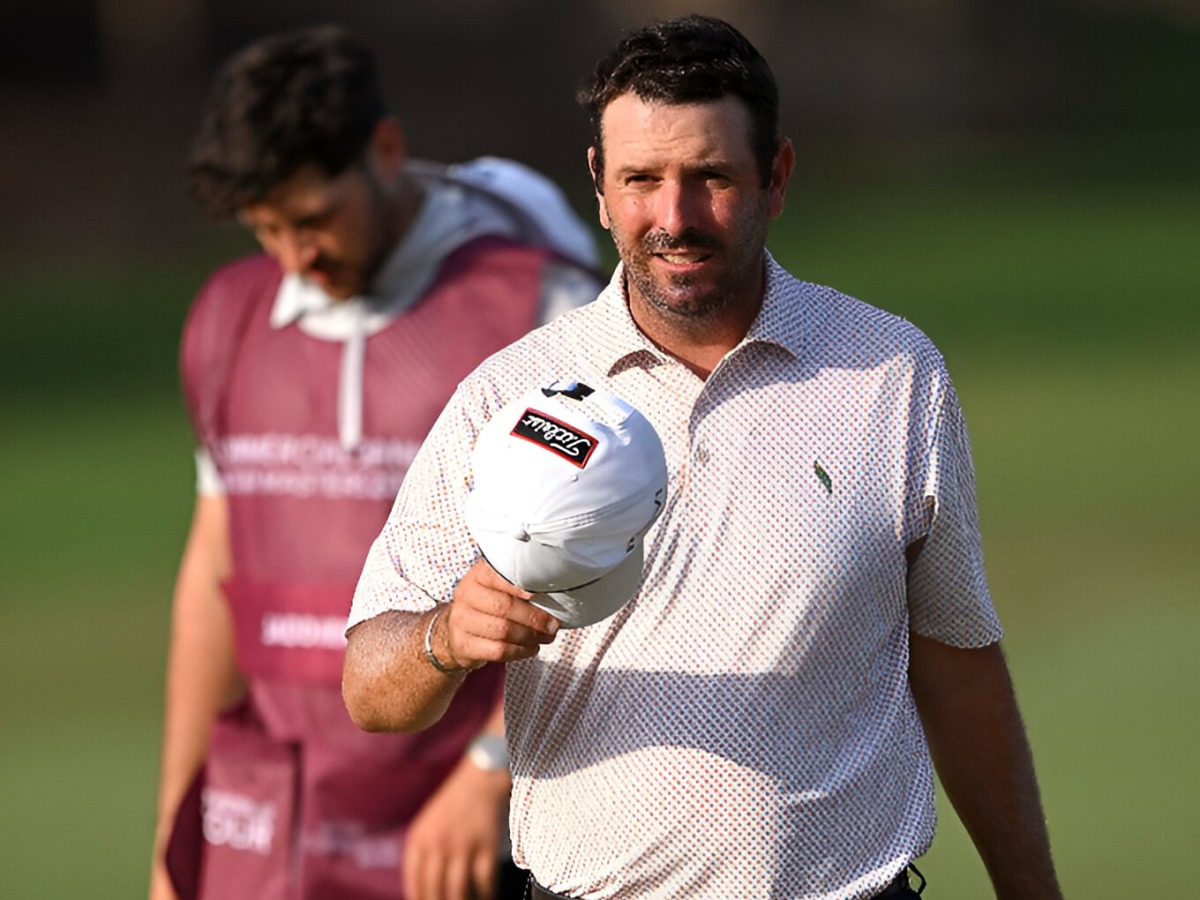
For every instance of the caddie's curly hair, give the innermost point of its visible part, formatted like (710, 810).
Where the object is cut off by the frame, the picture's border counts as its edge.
(690, 59)
(280, 104)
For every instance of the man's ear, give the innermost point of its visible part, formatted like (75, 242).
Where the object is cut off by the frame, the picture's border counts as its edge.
(781, 173)
(387, 150)
(597, 186)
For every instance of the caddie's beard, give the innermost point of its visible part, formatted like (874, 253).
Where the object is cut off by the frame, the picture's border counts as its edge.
(385, 230)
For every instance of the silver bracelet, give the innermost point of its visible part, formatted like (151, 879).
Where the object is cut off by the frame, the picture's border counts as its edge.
(430, 655)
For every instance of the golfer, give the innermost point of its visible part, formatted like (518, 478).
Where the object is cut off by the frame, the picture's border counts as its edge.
(811, 631)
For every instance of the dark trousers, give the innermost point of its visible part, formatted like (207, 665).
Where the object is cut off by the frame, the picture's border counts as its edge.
(512, 882)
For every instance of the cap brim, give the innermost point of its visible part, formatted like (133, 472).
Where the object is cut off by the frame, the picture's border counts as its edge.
(598, 600)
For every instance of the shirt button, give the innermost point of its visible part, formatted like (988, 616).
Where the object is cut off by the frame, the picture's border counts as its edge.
(701, 455)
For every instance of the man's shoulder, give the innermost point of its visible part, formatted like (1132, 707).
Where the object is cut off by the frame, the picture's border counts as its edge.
(231, 293)
(844, 324)
(519, 201)
(556, 350)
(234, 284)
(498, 250)
(225, 304)
(246, 273)
(513, 260)
(567, 332)
(873, 321)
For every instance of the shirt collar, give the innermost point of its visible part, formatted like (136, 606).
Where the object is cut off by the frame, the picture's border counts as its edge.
(786, 311)
(783, 320)
(623, 344)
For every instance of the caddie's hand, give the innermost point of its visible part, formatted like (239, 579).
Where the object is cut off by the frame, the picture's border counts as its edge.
(453, 844)
(491, 620)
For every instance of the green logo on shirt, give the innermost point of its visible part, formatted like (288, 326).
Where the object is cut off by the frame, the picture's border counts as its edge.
(825, 479)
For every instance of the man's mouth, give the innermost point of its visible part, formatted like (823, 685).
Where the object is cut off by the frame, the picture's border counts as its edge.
(331, 281)
(684, 257)
(691, 248)
(325, 273)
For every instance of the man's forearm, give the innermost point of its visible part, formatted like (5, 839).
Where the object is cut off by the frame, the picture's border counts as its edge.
(392, 682)
(202, 677)
(982, 755)
(388, 684)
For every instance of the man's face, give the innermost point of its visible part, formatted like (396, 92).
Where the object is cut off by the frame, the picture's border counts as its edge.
(333, 231)
(684, 200)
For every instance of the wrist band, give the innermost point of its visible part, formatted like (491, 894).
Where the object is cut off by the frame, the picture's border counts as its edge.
(489, 752)
(430, 655)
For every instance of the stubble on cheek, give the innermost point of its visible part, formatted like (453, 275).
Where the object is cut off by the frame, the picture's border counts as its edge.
(678, 294)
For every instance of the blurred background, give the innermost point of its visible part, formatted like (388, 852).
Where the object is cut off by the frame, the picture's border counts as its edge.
(1019, 178)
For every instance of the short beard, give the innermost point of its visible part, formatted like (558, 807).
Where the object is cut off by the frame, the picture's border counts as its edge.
(698, 309)
(384, 231)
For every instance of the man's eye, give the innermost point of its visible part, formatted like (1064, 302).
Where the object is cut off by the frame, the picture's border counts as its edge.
(308, 223)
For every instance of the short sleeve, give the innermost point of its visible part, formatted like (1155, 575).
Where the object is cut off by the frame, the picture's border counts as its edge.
(208, 478)
(948, 596)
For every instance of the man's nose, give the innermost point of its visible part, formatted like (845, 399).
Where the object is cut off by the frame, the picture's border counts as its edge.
(295, 250)
(680, 207)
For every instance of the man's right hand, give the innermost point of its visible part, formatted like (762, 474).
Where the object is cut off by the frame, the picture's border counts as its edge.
(489, 619)
(389, 684)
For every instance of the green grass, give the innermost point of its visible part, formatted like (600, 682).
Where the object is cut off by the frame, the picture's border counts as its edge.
(1088, 487)
(96, 500)
(1066, 309)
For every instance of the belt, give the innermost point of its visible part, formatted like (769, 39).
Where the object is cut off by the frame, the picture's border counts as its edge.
(898, 886)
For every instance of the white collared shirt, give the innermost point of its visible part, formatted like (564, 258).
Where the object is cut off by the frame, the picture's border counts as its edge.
(744, 726)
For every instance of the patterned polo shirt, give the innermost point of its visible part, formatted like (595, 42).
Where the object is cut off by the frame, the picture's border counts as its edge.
(743, 727)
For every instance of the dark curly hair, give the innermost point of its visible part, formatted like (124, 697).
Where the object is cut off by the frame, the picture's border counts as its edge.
(283, 103)
(688, 60)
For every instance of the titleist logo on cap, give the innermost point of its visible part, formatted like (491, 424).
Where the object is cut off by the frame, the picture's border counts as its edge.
(572, 445)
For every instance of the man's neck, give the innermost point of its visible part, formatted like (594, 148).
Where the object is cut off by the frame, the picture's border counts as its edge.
(699, 353)
(410, 196)
(698, 343)
(404, 204)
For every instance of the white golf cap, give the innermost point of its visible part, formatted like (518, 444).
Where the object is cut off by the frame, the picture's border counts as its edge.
(567, 481)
